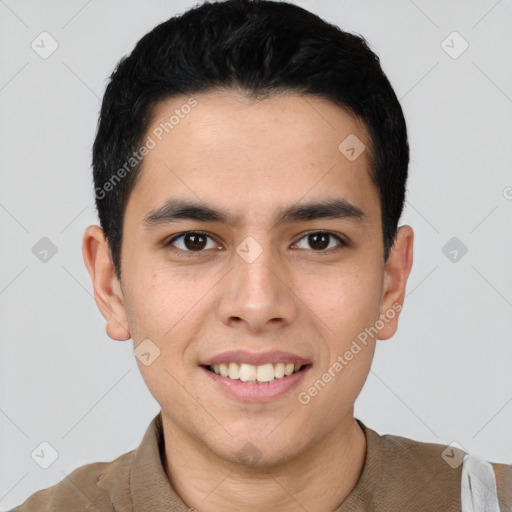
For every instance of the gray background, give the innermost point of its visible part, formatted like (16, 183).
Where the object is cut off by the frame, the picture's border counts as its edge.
(444, 377)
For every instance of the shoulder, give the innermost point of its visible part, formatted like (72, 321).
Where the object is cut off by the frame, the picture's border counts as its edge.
(426, 458)
(85, 488)
(414, 475)
(445, 474)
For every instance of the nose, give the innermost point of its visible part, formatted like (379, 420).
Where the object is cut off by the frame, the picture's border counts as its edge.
(257, 295)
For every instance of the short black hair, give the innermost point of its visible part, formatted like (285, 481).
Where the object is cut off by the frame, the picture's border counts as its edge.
(259, 47)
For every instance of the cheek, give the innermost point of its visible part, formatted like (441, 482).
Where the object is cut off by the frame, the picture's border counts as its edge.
(157, 301)
(165, 307)
(345, 300)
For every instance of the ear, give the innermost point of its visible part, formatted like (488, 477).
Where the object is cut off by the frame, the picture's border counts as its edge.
(107, 289)
(396, 271)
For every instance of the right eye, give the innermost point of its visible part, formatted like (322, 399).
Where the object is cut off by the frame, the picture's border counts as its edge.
(191, 242)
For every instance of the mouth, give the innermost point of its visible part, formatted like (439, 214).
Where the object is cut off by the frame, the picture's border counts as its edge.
(256, 374)
(263, 382)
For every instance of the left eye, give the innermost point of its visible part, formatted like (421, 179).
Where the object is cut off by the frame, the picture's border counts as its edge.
(319, 240)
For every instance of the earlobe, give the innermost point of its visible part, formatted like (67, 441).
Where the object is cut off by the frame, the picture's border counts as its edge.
(396, 272)
(107, 290)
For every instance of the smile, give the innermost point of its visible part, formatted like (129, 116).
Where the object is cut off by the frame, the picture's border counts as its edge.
(256, 374)
(253, 389)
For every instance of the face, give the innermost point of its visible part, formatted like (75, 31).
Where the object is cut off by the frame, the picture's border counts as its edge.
(232, 263)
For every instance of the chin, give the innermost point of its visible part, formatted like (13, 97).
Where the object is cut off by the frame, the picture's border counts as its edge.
(259, 452)
(251, 457)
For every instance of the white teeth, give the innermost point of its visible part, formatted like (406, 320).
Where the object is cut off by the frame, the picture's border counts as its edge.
(234, 371)
(250, 373)
(279, 370)
(247, 372)
(224, 369)
(265, 373)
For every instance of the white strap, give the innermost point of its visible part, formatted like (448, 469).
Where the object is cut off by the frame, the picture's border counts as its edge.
(478, 486)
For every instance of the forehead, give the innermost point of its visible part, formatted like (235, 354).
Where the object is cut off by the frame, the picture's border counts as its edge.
(253, 155)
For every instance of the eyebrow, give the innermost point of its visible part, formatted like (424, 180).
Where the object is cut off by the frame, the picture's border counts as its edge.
(177, 209)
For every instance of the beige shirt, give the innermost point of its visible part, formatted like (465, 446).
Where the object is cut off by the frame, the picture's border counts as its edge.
(399, 474)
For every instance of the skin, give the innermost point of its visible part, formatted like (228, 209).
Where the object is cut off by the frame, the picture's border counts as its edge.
(252, 158)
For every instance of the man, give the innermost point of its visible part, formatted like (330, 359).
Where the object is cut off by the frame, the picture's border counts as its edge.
(250, 168)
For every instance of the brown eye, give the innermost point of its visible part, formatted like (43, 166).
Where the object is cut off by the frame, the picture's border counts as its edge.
(192, 241)
(320, 240)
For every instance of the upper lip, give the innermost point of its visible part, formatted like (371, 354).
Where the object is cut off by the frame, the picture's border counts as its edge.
(255, 358)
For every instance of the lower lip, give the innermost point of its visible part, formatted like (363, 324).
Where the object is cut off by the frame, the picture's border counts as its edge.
(252, 392)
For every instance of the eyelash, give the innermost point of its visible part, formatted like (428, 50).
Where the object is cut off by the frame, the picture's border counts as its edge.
(190, 253)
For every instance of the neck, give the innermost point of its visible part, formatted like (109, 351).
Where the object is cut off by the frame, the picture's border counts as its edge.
(319, 479)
